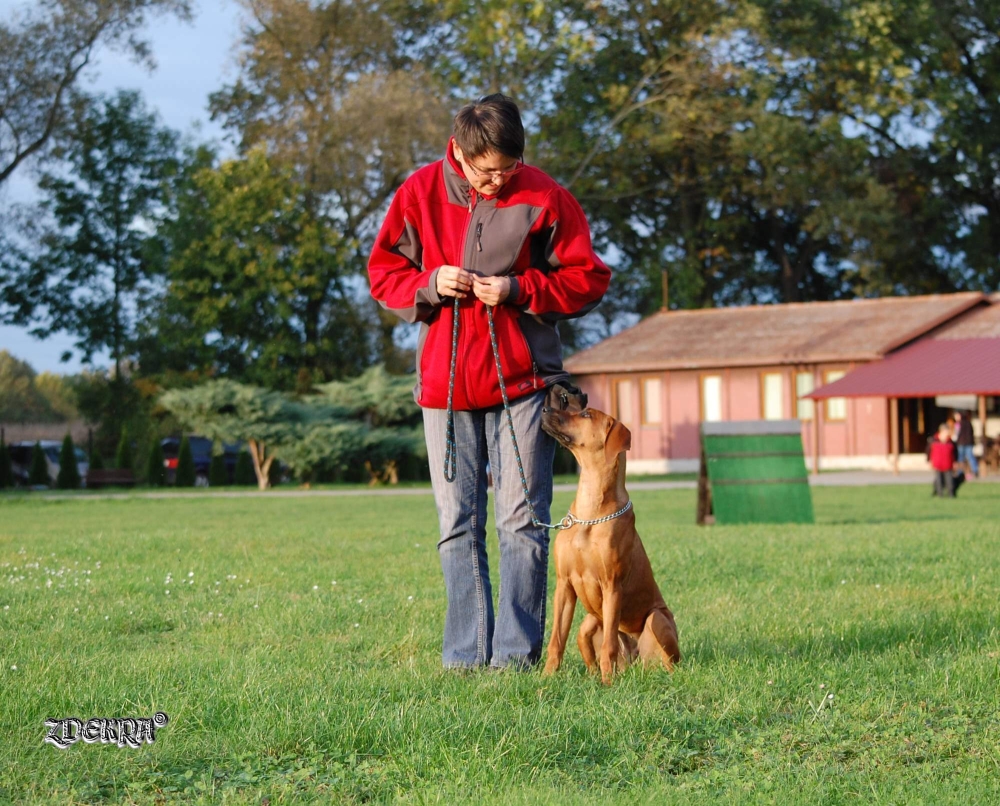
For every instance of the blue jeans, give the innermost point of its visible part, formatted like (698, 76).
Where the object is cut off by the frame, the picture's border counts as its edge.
(482, 435)
(965, 454)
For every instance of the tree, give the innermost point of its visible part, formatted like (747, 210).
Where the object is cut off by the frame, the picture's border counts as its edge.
(123, 455)
(81, 264)
(20, 398)
(918, 84)
(332, 90)
(258, 282)
(376, 397)
(269, 422)
(42, 54)
(58, 393)
(6, 471)
(69, 474)
(185, 473)
(38, 474)
(217, 476)
(156, 471)
(244, 476)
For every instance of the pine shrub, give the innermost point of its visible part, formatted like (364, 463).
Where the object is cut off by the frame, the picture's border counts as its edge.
(6, 471)
(123, 457)
(185, 465)
(245, 476)
(156, 472)
(39, 473)
(69, 473)
(217, 476)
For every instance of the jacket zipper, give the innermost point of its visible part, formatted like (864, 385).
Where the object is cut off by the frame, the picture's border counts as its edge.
(472, 206)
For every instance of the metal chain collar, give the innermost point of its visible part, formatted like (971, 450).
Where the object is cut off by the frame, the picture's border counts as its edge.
(571, 520)
(451, 450)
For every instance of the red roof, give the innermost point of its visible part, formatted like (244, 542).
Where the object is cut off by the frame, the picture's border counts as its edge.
(925, 369)
(961, 357)
(765, 335)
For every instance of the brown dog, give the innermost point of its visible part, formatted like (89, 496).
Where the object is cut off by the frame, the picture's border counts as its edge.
(604, 565)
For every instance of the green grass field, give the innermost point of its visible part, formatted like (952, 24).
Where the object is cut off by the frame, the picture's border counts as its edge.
(297, 655)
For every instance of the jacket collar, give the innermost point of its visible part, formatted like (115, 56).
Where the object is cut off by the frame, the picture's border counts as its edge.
(458, 187)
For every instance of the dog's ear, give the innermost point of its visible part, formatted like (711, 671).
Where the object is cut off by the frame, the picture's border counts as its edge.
(619, 439)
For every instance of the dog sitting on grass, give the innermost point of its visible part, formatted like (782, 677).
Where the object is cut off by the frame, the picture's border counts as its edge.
(604, 564)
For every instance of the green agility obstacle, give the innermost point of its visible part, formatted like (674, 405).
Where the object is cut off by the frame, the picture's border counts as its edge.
(753, 472)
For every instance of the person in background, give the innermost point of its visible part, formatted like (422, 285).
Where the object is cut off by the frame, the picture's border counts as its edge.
(942, 455)
(965, 440)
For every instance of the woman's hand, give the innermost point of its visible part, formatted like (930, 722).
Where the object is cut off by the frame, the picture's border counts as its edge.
(491, 290)
(453, 281)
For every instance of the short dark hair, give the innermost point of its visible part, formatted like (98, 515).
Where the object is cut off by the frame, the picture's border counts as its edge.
(493, 123)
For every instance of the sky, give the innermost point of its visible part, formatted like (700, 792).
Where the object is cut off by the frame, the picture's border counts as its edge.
(193, 59)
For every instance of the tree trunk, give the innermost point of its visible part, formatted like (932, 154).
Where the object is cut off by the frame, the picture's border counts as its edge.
(261, 466)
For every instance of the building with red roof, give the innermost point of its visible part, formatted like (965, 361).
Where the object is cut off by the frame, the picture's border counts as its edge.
(864, 376)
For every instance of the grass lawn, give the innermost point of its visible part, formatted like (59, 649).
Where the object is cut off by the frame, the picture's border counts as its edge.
(297, 655)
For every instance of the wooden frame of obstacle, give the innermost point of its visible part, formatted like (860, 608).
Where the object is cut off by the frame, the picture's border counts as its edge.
(753, 472)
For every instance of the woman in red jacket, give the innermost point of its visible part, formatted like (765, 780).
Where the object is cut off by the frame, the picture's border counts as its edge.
(481, 231)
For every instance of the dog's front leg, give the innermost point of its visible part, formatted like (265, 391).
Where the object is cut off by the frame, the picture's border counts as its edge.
(562, 619)
(612, 611)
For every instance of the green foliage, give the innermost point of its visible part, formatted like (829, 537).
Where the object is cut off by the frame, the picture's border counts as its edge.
(376, 397)
(21, 398)
(38, 474)
(254, 265)
(6, 471)
(244, 475)
(69, 474)
(123, 453)
(156, 471)
(96, 460)
(43, 52)
(81, 264)
(269, 422)
(217, 476)
(185, 474)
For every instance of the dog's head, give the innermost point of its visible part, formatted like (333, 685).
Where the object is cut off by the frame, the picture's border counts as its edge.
(588, 433)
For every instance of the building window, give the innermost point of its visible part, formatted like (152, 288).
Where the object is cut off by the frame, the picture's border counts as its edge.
(805, 382)
(836, 407)
(711, 398)
(770, 396)
(652, 401)
(623, 401)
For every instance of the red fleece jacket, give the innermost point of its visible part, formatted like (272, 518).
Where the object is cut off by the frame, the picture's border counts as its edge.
(533, 230)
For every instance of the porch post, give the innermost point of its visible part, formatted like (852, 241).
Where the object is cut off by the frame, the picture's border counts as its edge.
(982, 431)
(817, 408)
(894, 433)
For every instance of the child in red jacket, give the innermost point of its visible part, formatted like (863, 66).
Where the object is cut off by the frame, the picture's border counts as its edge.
(943, 455)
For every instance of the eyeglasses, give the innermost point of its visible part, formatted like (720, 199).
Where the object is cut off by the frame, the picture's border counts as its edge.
(505, 175)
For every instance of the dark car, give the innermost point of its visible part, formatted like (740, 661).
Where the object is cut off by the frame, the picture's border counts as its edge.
(201, 452)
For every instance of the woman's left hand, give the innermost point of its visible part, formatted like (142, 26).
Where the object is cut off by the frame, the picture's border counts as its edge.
(491, 290)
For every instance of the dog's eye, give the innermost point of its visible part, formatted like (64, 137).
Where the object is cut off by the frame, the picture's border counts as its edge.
(585, 413)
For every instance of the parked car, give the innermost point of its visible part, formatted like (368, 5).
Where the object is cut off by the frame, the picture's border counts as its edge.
(20, 460)
(201, 452)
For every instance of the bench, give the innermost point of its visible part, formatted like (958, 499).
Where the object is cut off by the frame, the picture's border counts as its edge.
(109, 478)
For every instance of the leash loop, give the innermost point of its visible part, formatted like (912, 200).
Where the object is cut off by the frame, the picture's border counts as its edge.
(451, 449)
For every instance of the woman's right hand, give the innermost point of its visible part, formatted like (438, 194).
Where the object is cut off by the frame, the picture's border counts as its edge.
(453, 281)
